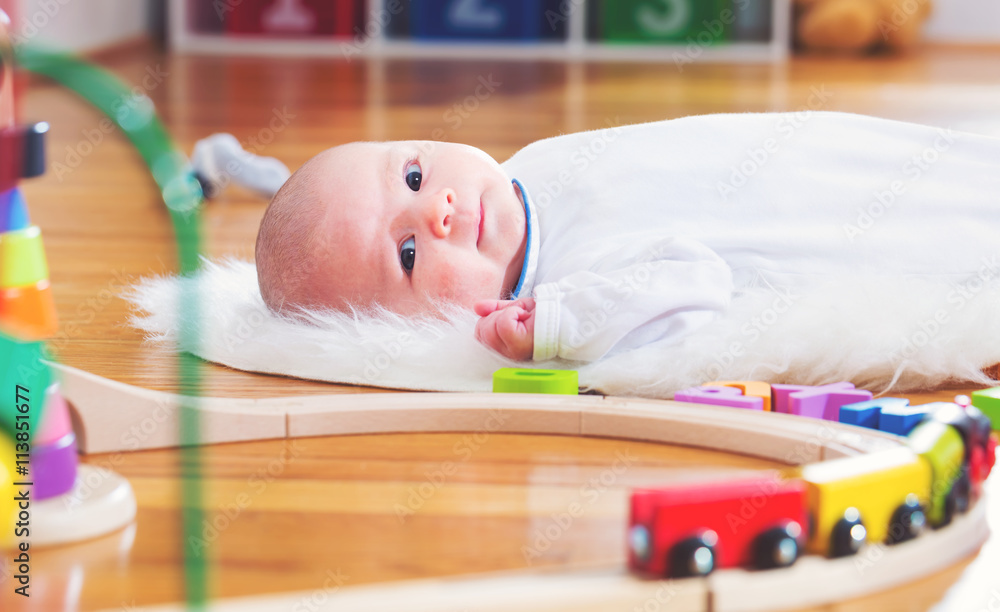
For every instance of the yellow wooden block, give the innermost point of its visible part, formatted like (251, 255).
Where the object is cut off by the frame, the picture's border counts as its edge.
(753, 388)
(876, 484)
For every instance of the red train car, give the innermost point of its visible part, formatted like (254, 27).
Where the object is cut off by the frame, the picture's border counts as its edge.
(692, 529)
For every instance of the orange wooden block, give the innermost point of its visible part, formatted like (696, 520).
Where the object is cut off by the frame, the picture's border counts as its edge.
(29, 312)
(749, 387)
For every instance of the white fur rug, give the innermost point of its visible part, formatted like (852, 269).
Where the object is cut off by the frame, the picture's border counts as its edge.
(896, 335)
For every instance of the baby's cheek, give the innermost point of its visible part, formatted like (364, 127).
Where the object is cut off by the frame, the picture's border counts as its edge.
(459, 283)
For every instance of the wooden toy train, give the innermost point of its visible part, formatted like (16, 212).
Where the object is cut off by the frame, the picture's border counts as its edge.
(830, 508)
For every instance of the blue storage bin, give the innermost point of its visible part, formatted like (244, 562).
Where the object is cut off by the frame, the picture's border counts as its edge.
(487, 20)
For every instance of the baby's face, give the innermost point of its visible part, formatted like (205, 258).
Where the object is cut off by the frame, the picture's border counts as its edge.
(410, 223)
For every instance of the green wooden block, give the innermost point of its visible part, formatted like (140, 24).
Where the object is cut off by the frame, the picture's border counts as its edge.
(988, 401)
(699, 22)
(526, 380)
(23, 382)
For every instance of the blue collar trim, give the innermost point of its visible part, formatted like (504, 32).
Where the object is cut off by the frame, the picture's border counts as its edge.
(527, 243)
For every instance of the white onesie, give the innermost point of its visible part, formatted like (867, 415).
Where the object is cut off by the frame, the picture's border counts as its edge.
(646, 232)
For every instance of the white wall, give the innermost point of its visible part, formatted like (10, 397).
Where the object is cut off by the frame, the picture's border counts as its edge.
(79, 25)
(964, 21)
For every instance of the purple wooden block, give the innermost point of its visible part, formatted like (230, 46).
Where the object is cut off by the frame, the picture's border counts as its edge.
(825, 402)
(779, 396)
(720, 396)
(781, 393)
(53, 467)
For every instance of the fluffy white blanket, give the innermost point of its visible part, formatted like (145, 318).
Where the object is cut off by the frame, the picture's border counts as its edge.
(884, 335)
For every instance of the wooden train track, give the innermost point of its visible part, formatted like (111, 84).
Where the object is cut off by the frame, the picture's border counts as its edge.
(112, 417)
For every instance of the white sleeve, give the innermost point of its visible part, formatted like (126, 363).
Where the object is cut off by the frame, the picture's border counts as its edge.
(675, 287)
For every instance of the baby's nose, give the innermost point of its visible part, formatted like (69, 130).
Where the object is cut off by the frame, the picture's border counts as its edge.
(439, 211)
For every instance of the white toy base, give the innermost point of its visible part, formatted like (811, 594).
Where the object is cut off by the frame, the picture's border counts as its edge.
(100, 502)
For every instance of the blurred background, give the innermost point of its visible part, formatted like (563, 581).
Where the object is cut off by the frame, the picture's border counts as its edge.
(85, 25)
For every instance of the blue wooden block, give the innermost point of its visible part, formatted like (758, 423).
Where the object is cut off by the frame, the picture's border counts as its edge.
(866, 414)
(901, 420)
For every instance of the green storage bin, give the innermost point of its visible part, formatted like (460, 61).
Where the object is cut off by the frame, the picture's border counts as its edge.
(702, 22)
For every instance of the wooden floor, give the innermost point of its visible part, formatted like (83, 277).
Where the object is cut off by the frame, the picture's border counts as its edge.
(289, 515)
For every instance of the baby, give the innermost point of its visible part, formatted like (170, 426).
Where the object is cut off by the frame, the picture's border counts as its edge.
(587, 244)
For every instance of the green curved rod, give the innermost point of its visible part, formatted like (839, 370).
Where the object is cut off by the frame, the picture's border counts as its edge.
(182, 193)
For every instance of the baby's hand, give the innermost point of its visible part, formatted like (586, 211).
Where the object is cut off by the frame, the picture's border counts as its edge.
(507, 327)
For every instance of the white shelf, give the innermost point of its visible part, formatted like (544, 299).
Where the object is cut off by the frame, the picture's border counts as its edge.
(575, 47)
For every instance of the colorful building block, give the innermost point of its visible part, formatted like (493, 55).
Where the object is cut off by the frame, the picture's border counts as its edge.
(719, 396)
(988, 402)
(754, 388)
(53, 467)
(901, 419)
(13, 212)
(866, 414)
(22, 258)
(21, 369)
(814, 401)
(526, 380)
(825, 402)
(55, 421)
(29, 312)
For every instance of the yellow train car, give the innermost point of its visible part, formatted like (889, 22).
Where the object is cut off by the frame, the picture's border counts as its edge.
(941, 445)
(879, 497)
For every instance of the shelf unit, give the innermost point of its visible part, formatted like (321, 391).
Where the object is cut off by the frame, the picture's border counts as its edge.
(575, 47)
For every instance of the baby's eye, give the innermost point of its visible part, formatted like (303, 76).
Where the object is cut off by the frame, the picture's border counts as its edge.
(408, 254)
(413, 176)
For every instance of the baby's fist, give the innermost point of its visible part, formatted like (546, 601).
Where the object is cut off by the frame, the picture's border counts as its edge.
(507, 327)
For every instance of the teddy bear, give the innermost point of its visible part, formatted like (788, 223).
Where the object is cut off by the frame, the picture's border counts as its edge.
(858, 26)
